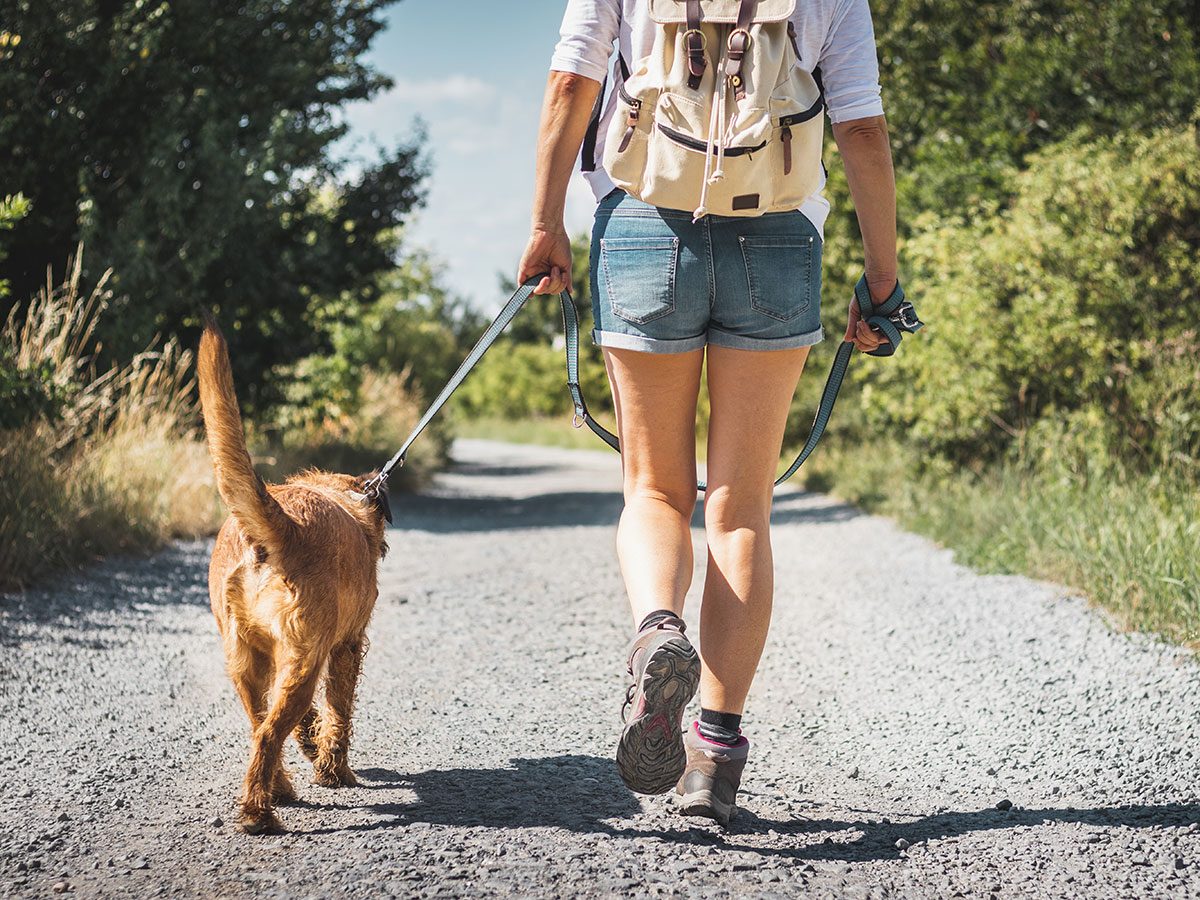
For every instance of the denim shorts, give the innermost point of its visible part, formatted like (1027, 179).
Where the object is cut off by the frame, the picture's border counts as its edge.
(664, 284)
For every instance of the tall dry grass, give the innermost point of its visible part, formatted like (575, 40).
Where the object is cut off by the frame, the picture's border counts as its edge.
(117, 464)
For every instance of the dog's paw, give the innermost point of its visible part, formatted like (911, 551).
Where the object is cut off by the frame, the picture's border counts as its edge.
(335, 777)
(283, 792)
(265, 822)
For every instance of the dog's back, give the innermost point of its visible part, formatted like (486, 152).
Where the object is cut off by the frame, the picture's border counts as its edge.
(309, 531)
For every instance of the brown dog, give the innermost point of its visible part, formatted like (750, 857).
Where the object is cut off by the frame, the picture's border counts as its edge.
(293, 584)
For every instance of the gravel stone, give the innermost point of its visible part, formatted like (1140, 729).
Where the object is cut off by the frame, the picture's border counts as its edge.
(489, 709)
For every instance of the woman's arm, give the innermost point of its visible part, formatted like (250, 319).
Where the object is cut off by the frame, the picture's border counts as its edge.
(867, 157)
(566, 111)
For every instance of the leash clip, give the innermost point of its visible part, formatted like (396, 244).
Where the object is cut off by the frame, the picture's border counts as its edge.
(578, 419)
(905, 317)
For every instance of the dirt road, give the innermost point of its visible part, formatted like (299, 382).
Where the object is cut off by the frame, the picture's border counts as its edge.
(894, 724)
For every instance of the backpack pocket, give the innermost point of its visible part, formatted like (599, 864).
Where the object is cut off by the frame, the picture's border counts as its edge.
(626, 143)
(797, 139)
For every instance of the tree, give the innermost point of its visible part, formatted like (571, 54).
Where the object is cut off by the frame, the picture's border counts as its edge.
(189, 145)
(972, 89)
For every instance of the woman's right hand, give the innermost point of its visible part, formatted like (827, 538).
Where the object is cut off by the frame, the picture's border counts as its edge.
(547, 251)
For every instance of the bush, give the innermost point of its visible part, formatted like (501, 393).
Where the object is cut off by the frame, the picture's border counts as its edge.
(517, 380)
(1072, 311)
(354, 429)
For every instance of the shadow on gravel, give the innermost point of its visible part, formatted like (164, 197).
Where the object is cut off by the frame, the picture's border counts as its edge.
(575, 792)
(861, 841)
(458, 514)
(583, 794)
(177, 576)
(479, 513)
(492, 470)
(792, 510)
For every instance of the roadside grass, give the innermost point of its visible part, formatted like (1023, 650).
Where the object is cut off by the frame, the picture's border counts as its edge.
(1128, 541)
(100, 461)
(94, 462)
(549, 431)
(358, 443)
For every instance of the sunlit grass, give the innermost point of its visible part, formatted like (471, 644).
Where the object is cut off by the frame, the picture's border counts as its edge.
(1126, 540)
(116, 464)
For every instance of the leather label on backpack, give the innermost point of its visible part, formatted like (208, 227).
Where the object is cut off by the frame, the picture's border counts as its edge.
(746, 201)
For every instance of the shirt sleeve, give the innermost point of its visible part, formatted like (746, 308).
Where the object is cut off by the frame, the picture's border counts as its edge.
(585, 43)
(849, 65)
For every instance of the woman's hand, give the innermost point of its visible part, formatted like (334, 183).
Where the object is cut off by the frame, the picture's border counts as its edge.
(547, 251)
(864, 337)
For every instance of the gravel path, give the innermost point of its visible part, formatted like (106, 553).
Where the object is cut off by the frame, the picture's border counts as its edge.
(948, 735)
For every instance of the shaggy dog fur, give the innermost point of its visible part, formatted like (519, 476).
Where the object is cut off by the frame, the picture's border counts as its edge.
(292, 583)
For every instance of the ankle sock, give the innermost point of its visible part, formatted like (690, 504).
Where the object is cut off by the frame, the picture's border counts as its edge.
(720, 727)
(659, 615)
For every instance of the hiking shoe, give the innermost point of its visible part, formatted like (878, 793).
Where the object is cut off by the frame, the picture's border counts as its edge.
(710, 782)
(665, 669)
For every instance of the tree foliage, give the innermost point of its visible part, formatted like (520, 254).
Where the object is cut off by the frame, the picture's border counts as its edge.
(189, 145)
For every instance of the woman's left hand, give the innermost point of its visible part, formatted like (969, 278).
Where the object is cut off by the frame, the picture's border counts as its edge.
(550, 252)
(864, 337)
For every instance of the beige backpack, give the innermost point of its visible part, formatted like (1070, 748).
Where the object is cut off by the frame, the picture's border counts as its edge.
(720, 118)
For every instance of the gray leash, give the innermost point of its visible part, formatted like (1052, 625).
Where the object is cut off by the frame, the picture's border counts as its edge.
(893, 317)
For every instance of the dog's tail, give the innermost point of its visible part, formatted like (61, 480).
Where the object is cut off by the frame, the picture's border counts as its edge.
(260, 517)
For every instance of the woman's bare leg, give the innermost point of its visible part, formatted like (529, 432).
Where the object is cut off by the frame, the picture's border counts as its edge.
(655, 398)
(750, 392)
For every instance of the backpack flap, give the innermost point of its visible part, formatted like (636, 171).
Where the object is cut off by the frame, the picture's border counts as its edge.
(721, 12)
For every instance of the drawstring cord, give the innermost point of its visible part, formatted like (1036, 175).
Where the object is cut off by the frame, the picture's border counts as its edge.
(717, 137)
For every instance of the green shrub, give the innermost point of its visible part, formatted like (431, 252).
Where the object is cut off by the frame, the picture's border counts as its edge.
(1074, 306)
(517, 381)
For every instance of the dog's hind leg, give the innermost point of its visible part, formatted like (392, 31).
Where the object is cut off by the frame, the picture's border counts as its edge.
(306, 733)
(296, 682)
(332, 766)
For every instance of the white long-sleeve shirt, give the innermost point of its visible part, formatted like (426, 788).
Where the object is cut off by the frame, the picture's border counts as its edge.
(836, 35)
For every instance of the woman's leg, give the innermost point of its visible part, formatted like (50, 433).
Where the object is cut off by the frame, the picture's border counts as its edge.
(750, 392)
(655, 398)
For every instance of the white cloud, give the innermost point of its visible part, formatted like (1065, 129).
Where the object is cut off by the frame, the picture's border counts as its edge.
(454, 89)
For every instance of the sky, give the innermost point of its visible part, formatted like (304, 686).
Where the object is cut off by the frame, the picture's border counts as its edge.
(474, 73)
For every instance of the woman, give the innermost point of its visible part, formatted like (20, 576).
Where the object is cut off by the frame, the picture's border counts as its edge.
(756, 339)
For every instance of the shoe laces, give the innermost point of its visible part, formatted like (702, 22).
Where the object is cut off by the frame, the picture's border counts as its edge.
(629, 692)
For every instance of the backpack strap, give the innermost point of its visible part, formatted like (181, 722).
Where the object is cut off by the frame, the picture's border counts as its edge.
(695, 42)
(587, 154)
(739, 43)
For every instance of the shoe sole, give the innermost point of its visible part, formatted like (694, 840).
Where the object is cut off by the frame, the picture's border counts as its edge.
(705, 805)
(651, 756)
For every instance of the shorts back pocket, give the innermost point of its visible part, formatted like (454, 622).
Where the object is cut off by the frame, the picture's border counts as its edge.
(781, 271)
(639, 276)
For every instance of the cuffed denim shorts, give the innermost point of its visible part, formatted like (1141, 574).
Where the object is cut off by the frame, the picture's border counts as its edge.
(663, 284)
